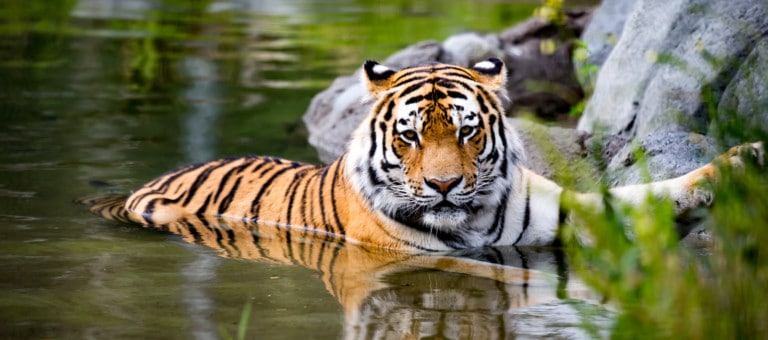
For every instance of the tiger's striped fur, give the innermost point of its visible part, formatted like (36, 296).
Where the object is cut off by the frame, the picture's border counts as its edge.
(434, 166)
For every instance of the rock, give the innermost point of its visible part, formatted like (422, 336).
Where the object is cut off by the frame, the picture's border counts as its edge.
(423, 52)
(333, 114)
(604, 29)
(470, 48)
(551, 151)
(542, 82)
(742, 114)
(668, 153)
(696, 45)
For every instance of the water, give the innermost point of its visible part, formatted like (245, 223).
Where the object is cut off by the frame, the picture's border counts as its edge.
(100, 96)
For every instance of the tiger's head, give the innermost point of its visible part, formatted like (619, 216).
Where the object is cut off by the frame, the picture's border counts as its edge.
(435, 152)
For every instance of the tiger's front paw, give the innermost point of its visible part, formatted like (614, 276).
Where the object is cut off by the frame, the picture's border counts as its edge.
(748, 153)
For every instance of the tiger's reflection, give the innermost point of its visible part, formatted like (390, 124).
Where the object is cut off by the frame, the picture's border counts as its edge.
(474, 293)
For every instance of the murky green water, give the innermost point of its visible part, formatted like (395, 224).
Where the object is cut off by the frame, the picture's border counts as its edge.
(102, 95)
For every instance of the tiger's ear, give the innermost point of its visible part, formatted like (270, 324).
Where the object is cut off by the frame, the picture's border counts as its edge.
(378, 77)
(491, 72)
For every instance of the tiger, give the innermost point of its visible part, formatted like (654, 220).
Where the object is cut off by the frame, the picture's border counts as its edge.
(434, 166)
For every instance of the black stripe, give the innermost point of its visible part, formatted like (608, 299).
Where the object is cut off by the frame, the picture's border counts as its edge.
(199, 180)
(500, 220)
(163, 187)
(465, 86)
(460, 75)
(336, 176)
(446, 83)
(303, 207)
(526, 214)
(204, 207)
(227, 200)
(383, 127)
(435, 94)
(388, 113)
(372, 151)
(225, 178)
(262, 190)
(456, 94)
(409, 80)
(481, 101)
(151, 207)
(291, 193)
(437, 68)
(408, 90)
(375, 180)
(386, 166)
(504, 146)
(414, 99)
(411, 73)
(264, 162)
(323, 176)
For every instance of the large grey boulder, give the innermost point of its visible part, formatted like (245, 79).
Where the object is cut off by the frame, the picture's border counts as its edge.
(667, 154)
(553, 151)
(604, 29)
(542, 82)
(669, 53)
(743, 110)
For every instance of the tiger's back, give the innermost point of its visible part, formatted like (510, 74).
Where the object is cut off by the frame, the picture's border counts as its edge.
(251, 188)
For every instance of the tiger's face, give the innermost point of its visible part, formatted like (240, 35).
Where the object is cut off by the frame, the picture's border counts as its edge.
(435, 152)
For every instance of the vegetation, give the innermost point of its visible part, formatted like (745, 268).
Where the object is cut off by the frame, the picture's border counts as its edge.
(665, 289)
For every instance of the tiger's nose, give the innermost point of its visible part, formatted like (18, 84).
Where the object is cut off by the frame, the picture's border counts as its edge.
(442, 186)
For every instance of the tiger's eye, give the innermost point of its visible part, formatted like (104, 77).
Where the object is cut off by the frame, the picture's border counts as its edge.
(410, 135)
(466, 131)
